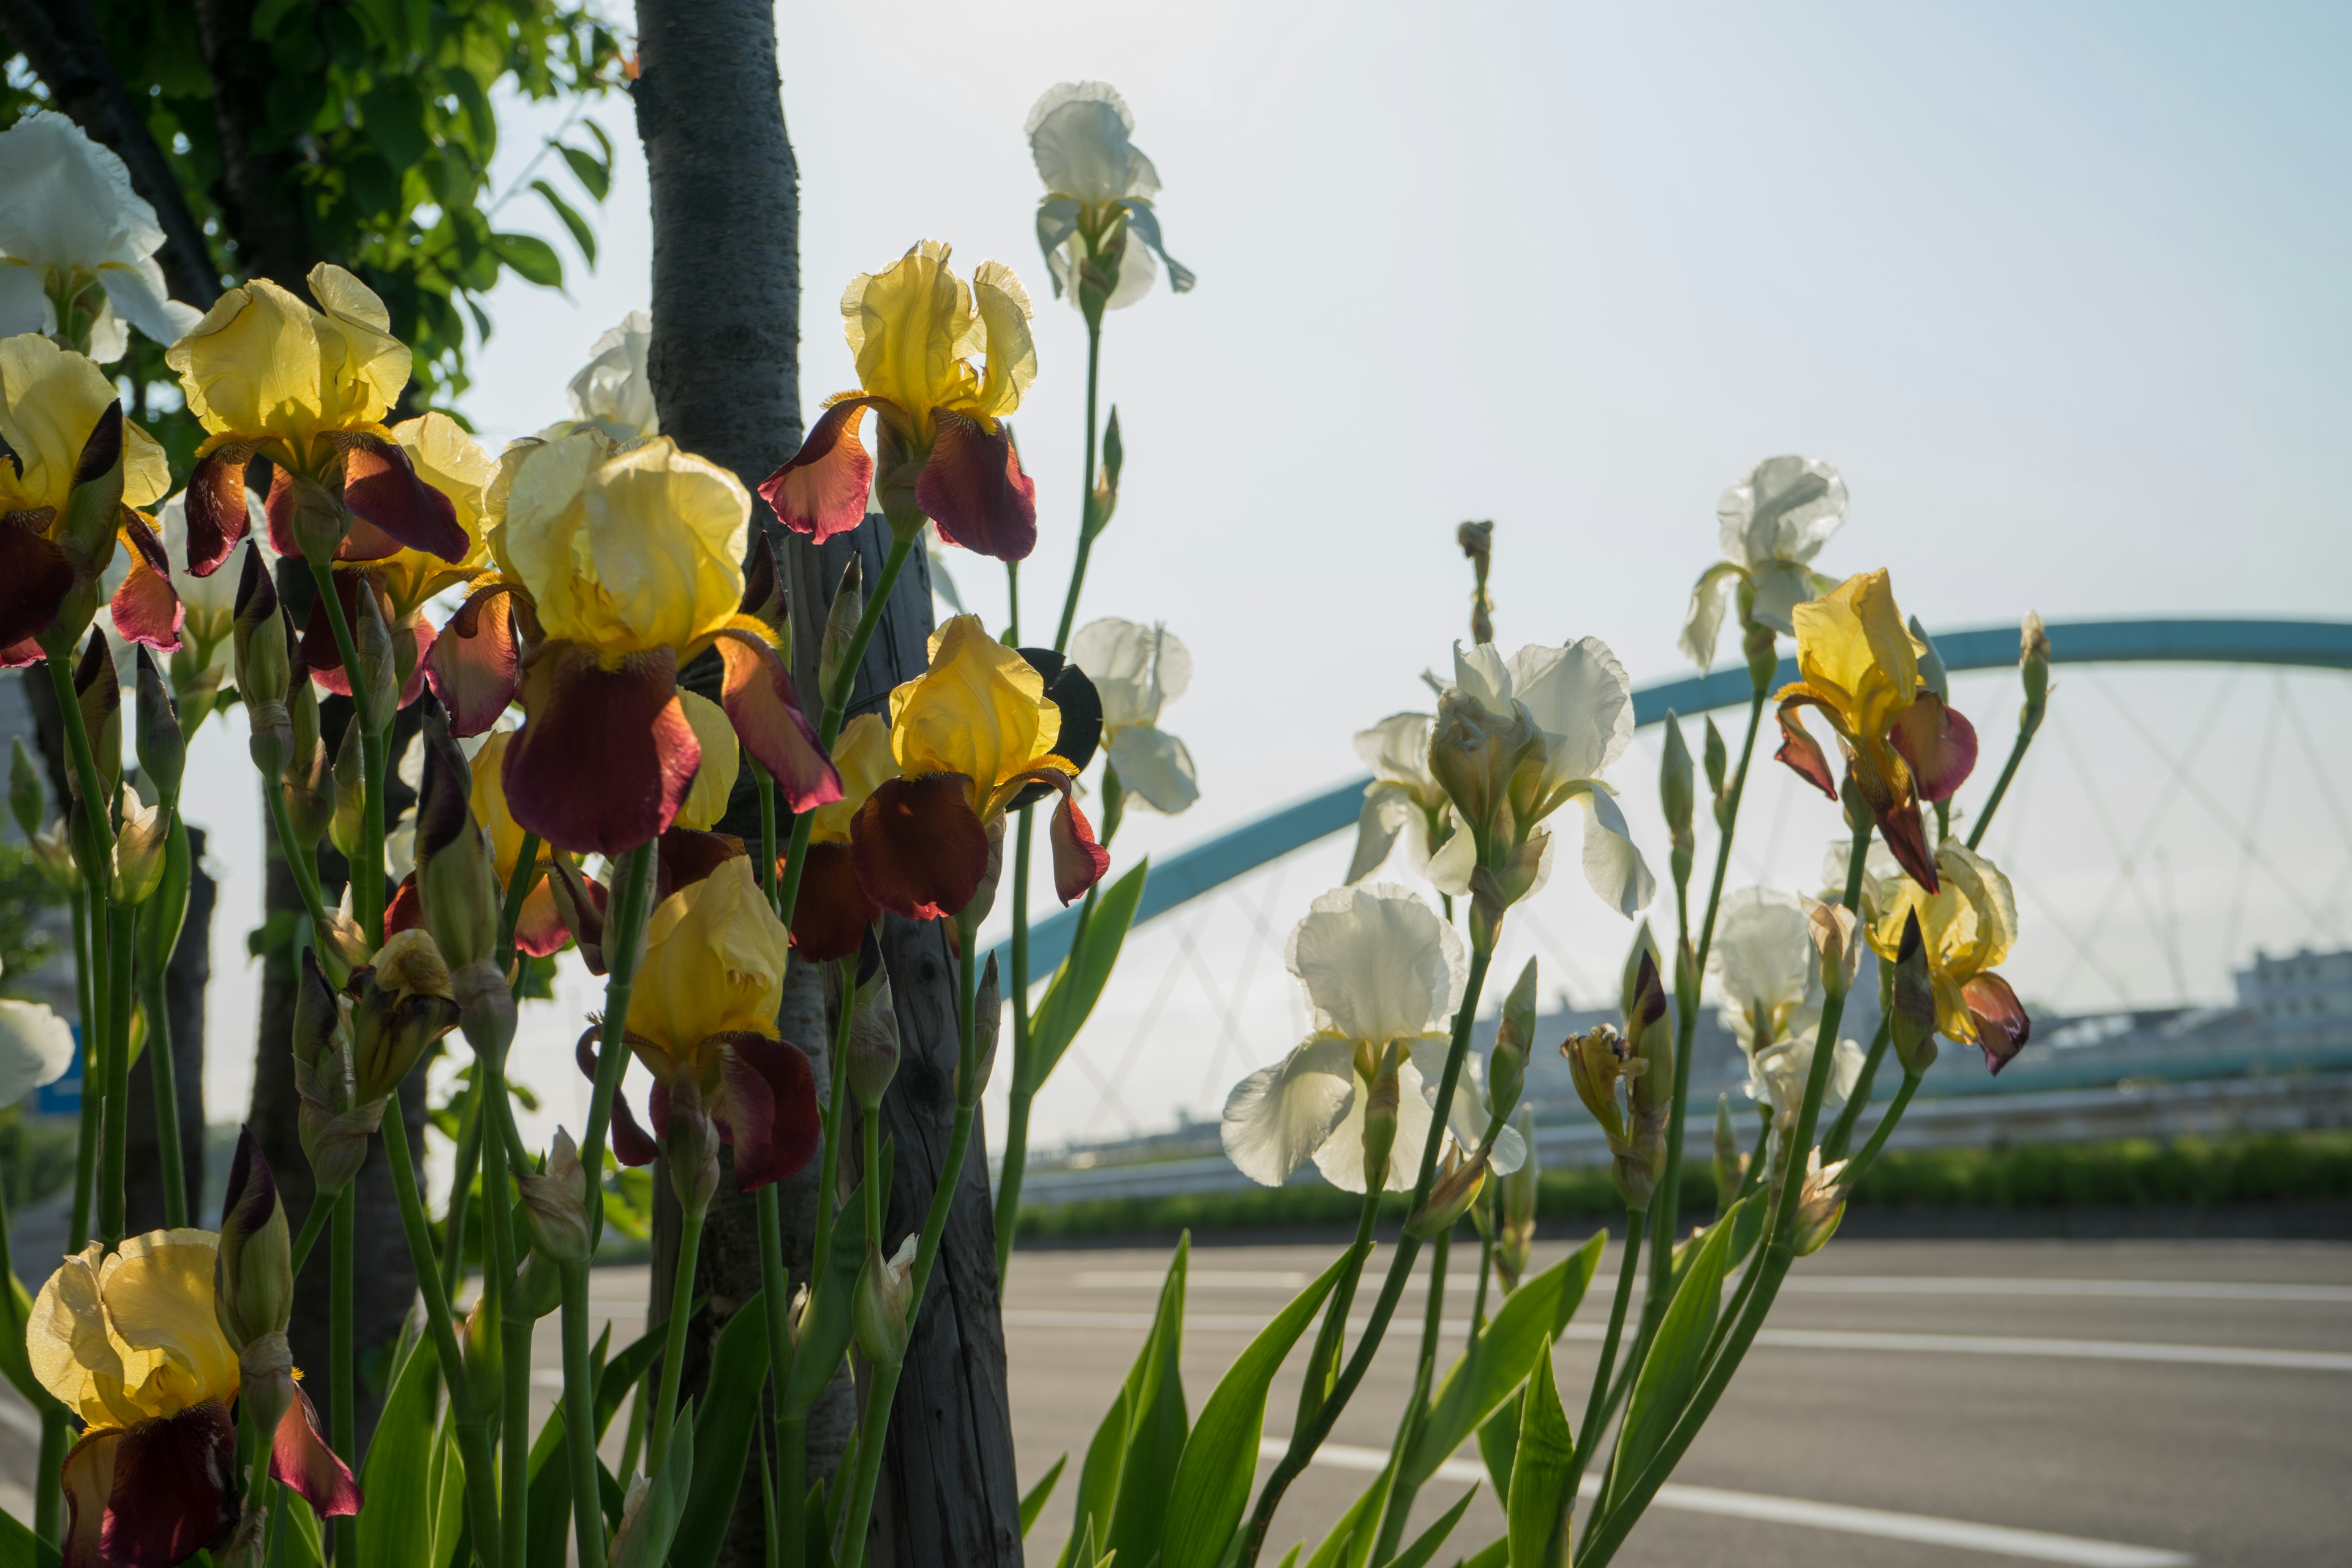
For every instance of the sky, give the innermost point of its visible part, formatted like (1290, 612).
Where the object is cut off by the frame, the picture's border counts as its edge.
(2057, 289)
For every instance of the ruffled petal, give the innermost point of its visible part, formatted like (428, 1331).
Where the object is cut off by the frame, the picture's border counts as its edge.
(1611, 863)
(1378, 962)
(767, 1110)
(472, 665)
(605, 757)
(822, 490)
(1156, 768)
(1386, 807)
(1906, 836)
(1798, 749)
(760, 702)
(1703, 624)
(174, 1491)
(685, 856)
(145, 609)
(36, 575)
(973, 487)
(300, 1457)
(1938, 741)
(2003, 1026)
(831, 910)
(382, 487)
(1278, 1117)
(918, 848)
(217, 514)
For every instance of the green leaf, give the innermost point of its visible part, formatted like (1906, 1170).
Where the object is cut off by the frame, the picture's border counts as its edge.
(594, 177)
(445, 1482)
(620, 1376)
(1213, 1478)
(667, 1501)
(1156, 1424)
(532, 258)
(392, 113)
(1664, 1385)
(396, 1477)
(1362, 1517)
(1097, 1479)
(1032, 1503)
(1537, 1509)
(1078, 984)
(1484, 1376)
(15, 1363)
(1498, 1445)
(581, 235)
(825, 1328)
(722, 1434)
(1425, 1545)
(1494, 1554)
(20, 1548)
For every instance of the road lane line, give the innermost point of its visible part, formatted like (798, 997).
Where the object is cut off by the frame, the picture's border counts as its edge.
(1793, 1338)
(1802, 1284)
(2040, 1546)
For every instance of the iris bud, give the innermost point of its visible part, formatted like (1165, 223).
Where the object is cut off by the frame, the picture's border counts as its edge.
(346, 825)
(690, 1145)
(98, 695)
(319, 519)
(335, 1122)
(1911, 1018)
(375, 684)
(1677, 787)
(1763, 656)
(987, 1022)
(878, 1312)
(841, 622)
(139, 848)
(264, 666)
(873, 1046)
(538, 1287)
(1515, 1243)
(556, 1204)
(457, 879)
(2033, 669)
(1472, 754)
(1459, 1182)
(1381, 1125)
(309, 783)
(1821, 1203)
(1515, 1036)
(253, 1272)
(1718, 763)
(404, 1005)
(162, 749)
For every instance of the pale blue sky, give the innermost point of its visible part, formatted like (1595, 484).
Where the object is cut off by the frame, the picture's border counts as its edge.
(2059, 289)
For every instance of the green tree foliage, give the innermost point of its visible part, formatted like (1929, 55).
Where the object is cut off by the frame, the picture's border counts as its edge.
(361, 132)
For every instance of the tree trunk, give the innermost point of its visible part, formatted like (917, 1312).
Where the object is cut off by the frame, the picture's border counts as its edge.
(184, 1005)
(948, 1493)
(265, 222)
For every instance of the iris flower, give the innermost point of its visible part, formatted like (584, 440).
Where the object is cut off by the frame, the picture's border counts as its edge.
(36, 1048)
(269, 376)
(208, 605)
(702, 1019)
(70, 225)
(1769, 974)
(614, 389)
(833, 910)
(942, 363)
(131, 1344)
(1404, 798)
(968, 735)
(1135, 670)
(1859, 665)
(540, 929)
(1774, 522)
(618, 566)
(1571, 712)
(1098, 191)
(73, 474)
(1969, 924)
(1379, 967)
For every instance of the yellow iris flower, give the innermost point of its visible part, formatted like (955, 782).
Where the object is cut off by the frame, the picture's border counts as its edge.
(130, 1337)
(453, 463)
(1967, 926)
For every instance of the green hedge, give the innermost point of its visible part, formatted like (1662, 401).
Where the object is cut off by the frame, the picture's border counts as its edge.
(2305, 1167)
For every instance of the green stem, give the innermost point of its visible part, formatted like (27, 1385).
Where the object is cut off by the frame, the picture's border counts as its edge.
(1606, 1535)
(93, 1067)
(681, 1309)
(525, 877)
(1088, 528)
(1323, 1365)
(1596, 1406)
(623, 935)
(461, 1185)
(501, 1313)
(829, 1128)
(1841, 1132)
(881, 1390)
(305, 880)
(151, 1006)
(766, 869)
(791, 1507)
(1398, 1506)
(580, 1420)
(775, 1284)
(1859, 1165)
(314, 1225)
(473, 1435)
(1665, 1216)
(343, 1420)
(1016, 1119)
(377, 761)
(1310, 1435)
(47, 1499)
(114, 1147)
(1485, 1269)
(1012, 600)
(2028, 726)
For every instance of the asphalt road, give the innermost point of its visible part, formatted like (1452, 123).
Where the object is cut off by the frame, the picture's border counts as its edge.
(1913, 1406)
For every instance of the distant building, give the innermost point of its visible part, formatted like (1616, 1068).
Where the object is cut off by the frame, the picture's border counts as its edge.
(2299, 987)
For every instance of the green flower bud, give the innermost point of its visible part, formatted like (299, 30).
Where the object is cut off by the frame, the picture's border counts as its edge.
(556, 1204)
(1718, 764)
(457, 879)
(1730, 1162)
(1676, 789)
(99, 696)
(1457, 1186)
(1821, 1203)
(253, 1272)
(348, 823)
(841, 622)
(1514, 1037)
(2033, 669)
(690, 1145)
(873, 1046)
(987, 1024)
(335, 1122)
(1515, 1238)
(264, 659)
(162, 749)
(376, 685)
(1381, 1125)
(1911, 1017)
(140, 847)
(878, 1311)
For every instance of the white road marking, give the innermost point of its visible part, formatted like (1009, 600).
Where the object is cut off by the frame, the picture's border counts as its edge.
(1795, 1338)
(1801, 1284)
(2040, 1546)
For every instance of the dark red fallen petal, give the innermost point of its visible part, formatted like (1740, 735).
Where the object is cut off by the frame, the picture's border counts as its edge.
(918, 848)
(822, 490)
(580, 901)
(767, 1109)
(973, 487)
(217, 518)
(1800, 751)
(87, 1478)
(406, 911)
(300, 1457)
(472, 664)
(2003, 1026)
(145, 608)
(1938, 743)
(1906, 836)
(36, 575)
(382, 487)
(174, 1491)
(605, 757)
(760, 702)
(687, 855)
(833, 910)
(540, 929)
